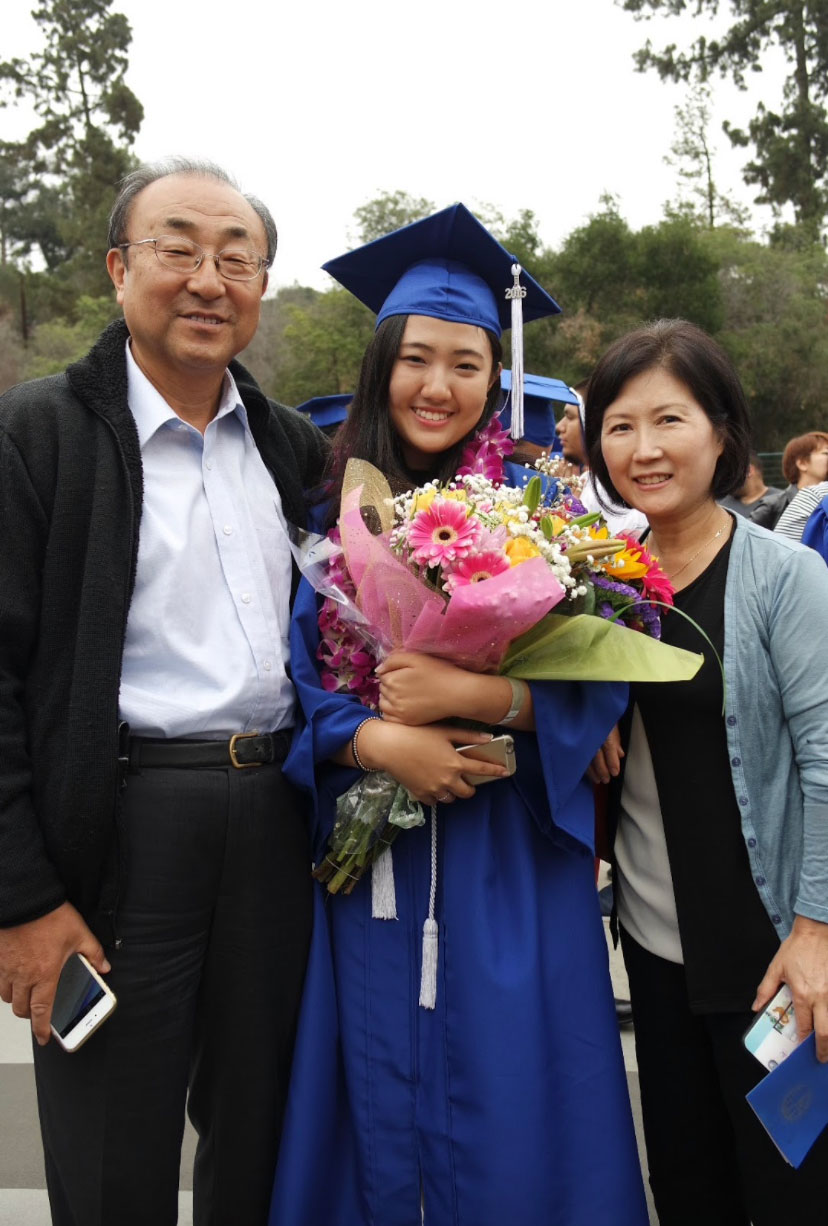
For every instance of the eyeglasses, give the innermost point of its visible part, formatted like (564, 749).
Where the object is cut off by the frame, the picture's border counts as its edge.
(183, 255)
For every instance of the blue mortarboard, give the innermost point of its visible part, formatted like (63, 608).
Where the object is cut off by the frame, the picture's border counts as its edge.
(540, 395)
(327, 410)
(448, 266)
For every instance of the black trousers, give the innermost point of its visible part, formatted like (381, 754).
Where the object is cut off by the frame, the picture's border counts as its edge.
(214, 927)
(710, 1159)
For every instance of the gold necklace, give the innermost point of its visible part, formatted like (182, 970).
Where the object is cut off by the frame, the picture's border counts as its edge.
(713, 538)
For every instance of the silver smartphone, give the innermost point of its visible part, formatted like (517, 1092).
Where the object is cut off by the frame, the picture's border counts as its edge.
(500, 750)
(82, 1002)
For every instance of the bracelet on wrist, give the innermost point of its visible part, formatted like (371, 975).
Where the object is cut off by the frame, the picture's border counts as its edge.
(519, 689)
(360, 764)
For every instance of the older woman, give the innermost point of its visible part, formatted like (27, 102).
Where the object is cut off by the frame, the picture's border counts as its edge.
(722, 839)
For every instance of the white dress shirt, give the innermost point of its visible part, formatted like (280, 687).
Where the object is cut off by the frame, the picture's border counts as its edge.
(206, 648)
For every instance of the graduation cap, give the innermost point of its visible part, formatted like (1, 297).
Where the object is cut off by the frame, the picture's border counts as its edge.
(540, 395)
(448, 266)
(327, 411)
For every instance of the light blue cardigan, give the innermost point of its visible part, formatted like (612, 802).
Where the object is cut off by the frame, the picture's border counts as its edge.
(776, 665)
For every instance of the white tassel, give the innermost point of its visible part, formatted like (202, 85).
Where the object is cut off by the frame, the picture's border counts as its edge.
(516, 294)
(383, 890)
(428, 978)
(428, 975)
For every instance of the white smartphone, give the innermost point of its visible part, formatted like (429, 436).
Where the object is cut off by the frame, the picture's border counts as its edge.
(82, 1002)
(500, 750)
(772, 1035)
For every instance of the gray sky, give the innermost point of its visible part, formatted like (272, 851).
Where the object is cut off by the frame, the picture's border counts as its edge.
(516, 103)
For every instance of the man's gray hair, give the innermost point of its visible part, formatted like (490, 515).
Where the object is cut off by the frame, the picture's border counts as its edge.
(137, 180)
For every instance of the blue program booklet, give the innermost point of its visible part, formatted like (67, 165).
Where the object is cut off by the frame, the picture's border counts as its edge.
(792, 1102)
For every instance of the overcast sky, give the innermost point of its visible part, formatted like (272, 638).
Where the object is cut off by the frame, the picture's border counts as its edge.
(318, 105)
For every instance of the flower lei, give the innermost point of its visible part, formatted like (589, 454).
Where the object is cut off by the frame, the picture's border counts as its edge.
(348, 665)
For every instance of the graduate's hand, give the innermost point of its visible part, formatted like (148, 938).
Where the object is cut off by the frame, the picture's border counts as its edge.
(424, 760)
(31, 959)
(802, 963)
(607, 762)
(419, 689)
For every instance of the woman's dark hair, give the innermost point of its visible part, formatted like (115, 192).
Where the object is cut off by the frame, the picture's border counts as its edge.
(694, 358)
(367, 432)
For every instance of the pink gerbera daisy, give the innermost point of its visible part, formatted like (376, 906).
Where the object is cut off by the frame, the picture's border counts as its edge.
(476, 567)
(441, 533)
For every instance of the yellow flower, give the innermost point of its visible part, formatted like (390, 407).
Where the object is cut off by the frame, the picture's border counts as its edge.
(520, 549)
(557, 524)
(626, 565)
(423, 501)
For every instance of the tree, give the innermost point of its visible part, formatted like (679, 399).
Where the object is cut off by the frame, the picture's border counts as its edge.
(389, 211)
(774, 302)
(791, 144)
(610, 279)
(693, 158)
(68, 166)
(76, 84)
(325, 342)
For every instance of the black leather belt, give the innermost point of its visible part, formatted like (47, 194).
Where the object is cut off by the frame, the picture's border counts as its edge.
(243, 750)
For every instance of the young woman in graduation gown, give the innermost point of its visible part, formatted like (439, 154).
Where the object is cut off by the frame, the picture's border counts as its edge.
(505, 1102)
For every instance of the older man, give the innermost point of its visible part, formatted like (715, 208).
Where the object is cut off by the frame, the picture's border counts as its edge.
(145, 709)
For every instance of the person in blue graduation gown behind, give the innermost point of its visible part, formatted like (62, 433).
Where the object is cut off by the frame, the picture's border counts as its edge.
(505, 1101)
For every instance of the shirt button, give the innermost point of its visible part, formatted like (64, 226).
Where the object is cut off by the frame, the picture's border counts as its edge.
(208, 464)
(731, 721)
(751, 842)
(777, 919)
(760, 880)
(735, 761)
(227, 530)
(743, 800)
(246, 598)
(268, 665)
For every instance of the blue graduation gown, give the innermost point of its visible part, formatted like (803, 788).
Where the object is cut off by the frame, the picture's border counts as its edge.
(508, 1102)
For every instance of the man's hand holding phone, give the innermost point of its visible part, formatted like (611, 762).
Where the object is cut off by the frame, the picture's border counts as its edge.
(32, 956)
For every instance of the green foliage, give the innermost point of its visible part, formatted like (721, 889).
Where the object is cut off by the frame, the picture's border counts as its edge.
(57, 343)
(609, 279)
(76, 82)
(309, 344)
(56, 185)
(775, 327)
(389, 211)
(791, 142)
(692, 158)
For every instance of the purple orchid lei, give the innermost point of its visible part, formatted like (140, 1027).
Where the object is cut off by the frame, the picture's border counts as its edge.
(348, 666)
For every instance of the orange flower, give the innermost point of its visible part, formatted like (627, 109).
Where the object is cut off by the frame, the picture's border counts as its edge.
(626, 565)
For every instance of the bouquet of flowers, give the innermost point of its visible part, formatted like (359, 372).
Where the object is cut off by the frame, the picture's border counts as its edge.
(472, 571)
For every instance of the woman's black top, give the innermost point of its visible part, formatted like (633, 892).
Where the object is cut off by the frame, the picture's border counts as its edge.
(726, 935)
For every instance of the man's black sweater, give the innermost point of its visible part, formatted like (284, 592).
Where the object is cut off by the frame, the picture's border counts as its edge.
(70, 510)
